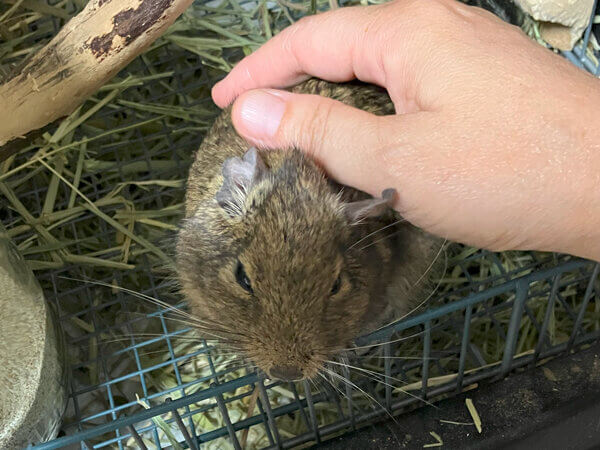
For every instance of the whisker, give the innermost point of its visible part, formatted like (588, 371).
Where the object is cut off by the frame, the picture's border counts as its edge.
(186, 358)
(374, 378)
(431, 294)
(311, 381)
(418, 358)
(164, 314)
(199, 323)
(403, 338)
(375, 232)
(204, 329)
(338, 390)
(379, 240)
(387, 377)
(348, 383)
(192, 321)
(365, 393)
(366, 370)
(152, 336)
(393, 418)
(432, 262)
(436, 287)
(132, 292)
(169, 335)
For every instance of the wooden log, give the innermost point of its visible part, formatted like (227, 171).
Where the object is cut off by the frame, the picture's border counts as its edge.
(87, 52)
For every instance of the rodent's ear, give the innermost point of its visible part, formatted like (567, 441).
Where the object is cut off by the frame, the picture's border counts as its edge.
(239, 174)
(373, 207)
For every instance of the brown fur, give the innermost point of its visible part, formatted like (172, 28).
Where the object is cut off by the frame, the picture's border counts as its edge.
(293, 241)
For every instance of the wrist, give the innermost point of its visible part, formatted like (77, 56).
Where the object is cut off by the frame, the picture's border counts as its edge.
(581, 177)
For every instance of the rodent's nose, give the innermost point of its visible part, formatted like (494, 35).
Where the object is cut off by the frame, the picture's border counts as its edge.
(286, 373)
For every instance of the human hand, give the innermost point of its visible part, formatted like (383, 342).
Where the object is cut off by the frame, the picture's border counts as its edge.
(494, 143)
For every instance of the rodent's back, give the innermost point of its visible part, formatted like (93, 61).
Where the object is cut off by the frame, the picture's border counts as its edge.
(222, 141)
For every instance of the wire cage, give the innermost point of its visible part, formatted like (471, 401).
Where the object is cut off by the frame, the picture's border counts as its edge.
(585, 53)
(139, 377)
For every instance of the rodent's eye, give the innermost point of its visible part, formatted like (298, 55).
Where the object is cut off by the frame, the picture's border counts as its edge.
(242, 278)
(336, 286)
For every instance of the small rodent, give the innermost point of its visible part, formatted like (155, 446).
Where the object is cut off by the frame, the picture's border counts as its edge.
(285, 266)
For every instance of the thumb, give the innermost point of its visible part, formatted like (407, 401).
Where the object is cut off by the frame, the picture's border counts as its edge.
(355, 147)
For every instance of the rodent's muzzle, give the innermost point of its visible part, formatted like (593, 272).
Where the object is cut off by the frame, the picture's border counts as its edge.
(286, 373)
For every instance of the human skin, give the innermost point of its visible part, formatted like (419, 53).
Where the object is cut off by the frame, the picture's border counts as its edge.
(495, 141)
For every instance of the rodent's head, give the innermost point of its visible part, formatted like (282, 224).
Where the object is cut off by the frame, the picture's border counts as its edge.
(267, 265)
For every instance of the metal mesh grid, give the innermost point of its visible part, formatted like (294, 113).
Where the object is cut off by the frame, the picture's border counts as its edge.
(506, 304)
(502, 304)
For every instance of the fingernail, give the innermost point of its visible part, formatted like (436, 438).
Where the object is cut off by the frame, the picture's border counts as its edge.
(261, 112)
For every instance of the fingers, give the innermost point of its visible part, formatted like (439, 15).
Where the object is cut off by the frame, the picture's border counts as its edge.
(349, 143)
(337, 46)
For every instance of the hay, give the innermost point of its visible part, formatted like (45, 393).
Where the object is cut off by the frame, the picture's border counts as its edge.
(438, 439)
(474, 414)
(101, 192)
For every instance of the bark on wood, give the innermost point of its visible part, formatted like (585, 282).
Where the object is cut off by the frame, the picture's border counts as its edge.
(89, 50)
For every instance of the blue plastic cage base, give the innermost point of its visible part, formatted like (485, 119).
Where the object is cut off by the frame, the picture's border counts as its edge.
(121, 345)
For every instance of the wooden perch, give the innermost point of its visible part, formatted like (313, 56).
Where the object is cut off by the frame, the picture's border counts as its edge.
(89, 50)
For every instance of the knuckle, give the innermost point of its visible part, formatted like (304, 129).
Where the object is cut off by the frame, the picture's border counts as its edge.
(302, 24)
(317, 125)
(306, 25)
(290, 35)
(431, 11)
(386, 152)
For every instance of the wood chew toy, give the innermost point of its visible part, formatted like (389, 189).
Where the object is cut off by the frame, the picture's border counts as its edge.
(87, 52)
